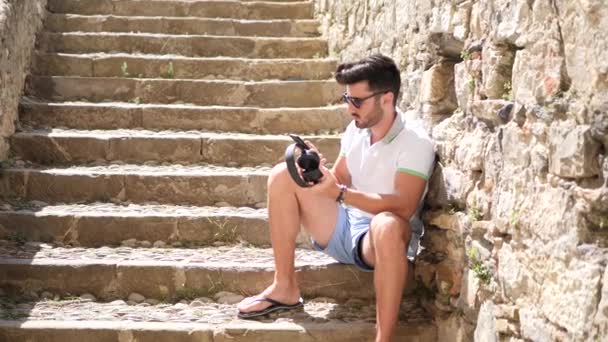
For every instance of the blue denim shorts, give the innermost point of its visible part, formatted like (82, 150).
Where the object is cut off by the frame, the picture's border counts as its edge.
(344, 245)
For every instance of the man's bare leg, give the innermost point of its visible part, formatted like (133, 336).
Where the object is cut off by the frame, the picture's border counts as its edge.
(384, 248)
(289, 206)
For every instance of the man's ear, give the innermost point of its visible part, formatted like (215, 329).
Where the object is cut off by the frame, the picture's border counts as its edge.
(387, 99)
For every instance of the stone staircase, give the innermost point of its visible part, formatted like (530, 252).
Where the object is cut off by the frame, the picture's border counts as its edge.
(134, 208)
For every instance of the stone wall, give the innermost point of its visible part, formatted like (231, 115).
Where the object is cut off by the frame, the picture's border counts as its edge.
(19, 22)
(515, 94)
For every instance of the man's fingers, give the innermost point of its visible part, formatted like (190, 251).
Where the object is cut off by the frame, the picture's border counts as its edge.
(311, 145)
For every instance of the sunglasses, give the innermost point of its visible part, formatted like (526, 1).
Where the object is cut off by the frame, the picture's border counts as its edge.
(358, 101)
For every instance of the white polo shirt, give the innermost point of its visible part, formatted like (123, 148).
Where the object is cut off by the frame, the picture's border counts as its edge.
(405, 148)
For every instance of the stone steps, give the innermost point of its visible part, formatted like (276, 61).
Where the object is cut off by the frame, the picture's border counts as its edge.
(160, 273)
(106, 224)
(199, 92)
(84, 115)
(58, 146)
(182, 25)
(185, 45)
(76, 320)
(260, 10)
(171, 184)
(161, 66)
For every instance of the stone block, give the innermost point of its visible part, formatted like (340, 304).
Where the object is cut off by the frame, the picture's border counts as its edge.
(579, 282)
(496, 71)
(437, 92)
(486, 330)
(573, 153)
(514, 278)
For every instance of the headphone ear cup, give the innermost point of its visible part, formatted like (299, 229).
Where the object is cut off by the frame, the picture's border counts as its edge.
(309, 160)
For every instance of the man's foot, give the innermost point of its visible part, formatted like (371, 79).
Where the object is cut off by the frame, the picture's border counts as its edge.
(282, 298)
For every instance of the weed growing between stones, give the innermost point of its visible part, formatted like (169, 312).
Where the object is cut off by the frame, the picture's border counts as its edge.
(474, 214)
(478, 268)
(508, 91)
(465, 55)
(5, 164)
(471, 85)
(170, 73)
(223, 232)
(18, 203)
(193, 293)
(514, 219)
(18, 238)
(124, 68)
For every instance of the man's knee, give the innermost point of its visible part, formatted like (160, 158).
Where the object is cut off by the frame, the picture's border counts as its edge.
(388, 229)
(278, 175)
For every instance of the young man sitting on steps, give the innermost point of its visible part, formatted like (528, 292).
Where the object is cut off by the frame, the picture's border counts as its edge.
(365, 210)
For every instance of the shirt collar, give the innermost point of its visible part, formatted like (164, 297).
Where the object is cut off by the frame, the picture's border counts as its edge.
(396, 128)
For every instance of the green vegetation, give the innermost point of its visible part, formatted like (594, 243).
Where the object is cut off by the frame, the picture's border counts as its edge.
(125, 69)
(223, 231)
(508, 91)
(170, 73)
(18, 238)
(514, 219)
(471, 84)
(475, 214)
(465, 55)
(478, 268)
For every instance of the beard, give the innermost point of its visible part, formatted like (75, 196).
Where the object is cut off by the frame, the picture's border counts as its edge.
(374, 117)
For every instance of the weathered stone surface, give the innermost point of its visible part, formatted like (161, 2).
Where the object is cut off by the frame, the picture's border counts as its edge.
(496, 71)
(94, 65)
(437, 94)
(220, 93)
(184, 117)
(600, 320)
(581, 280)
(486, 324)
(182, 25)
(19, 23)
(185, 45)
(573, 153)
(210, 9)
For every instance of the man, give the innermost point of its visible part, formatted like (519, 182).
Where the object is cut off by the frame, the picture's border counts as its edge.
(365, 210)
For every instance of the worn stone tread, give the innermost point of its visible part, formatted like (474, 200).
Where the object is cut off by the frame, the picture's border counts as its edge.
(78, 320)
(112, 115)
(185, 45)
(101, 224)
(136, 183)
(263, 94)
(63, 146)
(182, 25)
(196, 8)
(158, 66)
(110, 273)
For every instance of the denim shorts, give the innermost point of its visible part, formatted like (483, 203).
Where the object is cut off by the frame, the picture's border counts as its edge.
(345, 243)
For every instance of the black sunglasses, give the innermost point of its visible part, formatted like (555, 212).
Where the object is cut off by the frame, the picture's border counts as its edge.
(358, 101)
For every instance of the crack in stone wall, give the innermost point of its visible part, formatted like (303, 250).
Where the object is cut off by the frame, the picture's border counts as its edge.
(515, 94)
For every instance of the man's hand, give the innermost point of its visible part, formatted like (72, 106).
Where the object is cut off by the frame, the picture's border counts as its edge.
(328, 185)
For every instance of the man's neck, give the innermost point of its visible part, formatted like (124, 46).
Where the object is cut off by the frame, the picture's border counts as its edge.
(380, 130)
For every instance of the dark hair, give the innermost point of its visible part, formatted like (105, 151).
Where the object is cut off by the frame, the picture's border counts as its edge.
(379, 71)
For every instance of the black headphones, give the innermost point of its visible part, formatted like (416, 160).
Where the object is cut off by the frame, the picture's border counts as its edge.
(308, 161)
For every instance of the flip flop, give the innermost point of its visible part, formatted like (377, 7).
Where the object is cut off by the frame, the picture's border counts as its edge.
(275, 306)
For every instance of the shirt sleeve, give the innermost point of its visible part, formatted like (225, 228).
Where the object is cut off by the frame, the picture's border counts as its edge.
(417, 156)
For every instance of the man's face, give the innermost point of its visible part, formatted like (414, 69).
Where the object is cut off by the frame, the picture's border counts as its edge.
(369, 112)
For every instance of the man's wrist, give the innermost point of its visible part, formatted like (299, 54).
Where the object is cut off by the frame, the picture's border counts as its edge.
(340, 198)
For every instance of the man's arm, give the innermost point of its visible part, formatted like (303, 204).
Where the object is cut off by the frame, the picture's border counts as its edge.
(340, 171)
(404, 202)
